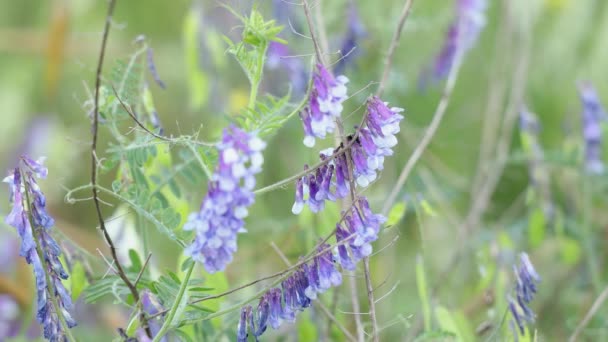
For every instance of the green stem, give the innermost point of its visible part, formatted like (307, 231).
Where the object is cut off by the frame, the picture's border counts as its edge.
(176, 304)
(50, 287)
(587, 232)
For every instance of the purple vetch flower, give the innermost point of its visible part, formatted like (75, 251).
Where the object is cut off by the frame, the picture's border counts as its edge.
(350, 48)
(9, 317)
(229, 195)
(151, 306)
(354, 237)
(280, 305)
(592, 117)
(29, 217)
(152, 68)
(461, 36)
(373, 143)
(325, 105)
(525, 289)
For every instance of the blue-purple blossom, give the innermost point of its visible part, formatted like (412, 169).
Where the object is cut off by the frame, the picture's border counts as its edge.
(350, 48)
(280, 305)
(151, 306)
(375, 141)
(525, 289)
(325, 105)
(461, 36)
(152, 68)
(9, 317)
(32, 222)
(372, 144)
(355, 235)
(229, 195)
(592, 116)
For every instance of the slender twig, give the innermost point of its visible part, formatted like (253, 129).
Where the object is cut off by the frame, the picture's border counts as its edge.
(370, 298)
(428, 135)
(94, 189)
(311, 27)
(394, 42)
(143, 268)
(592, 311)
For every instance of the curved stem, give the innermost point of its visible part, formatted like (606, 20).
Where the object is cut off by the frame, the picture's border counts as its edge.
(176, 304)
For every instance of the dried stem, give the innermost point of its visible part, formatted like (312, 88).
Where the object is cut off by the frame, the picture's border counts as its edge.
(102, 226)
(394, 42)
(428, 135)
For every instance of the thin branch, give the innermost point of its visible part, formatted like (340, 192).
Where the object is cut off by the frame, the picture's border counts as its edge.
(370, 298)
(143, 268)
(102, 226)
(592, 311)
(428, 135)
(394, 42)
(312, 32)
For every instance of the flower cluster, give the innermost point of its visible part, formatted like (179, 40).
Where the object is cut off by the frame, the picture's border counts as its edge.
(39, 249)
(461, 36)
(593, 114)
(325, 105)
(229, 195)
(525, 289)
(280, 305)
(355, 236)
(372, 143)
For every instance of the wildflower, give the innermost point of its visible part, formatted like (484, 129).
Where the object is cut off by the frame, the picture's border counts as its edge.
(327, 94)
(152, 68)
(241, 335)
(229, 195)
(355, 32)
(354, 238)
(29, 217)
(372, 144)
(280, 305)
(525, 289)
(461, 36)
(9, 317)
(592, 116)
(151, 306)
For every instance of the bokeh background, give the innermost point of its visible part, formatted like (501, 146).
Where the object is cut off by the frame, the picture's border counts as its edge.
(465, 209)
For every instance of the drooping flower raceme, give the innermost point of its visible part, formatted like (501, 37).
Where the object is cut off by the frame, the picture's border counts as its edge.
(461, 36)
(371, 145)
(325, 105)
(31, 220)
(229, 195)
(280, 305)
(355, 236)
(525, 289)
(592, 117)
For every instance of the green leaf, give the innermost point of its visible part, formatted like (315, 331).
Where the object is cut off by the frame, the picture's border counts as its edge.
(135, 260)
(78, 280)
(447, 322)
(396, 213)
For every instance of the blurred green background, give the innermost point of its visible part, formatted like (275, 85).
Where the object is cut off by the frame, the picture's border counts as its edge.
(531, 51)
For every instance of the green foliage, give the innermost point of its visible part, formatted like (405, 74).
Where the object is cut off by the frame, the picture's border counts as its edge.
(268, 116)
